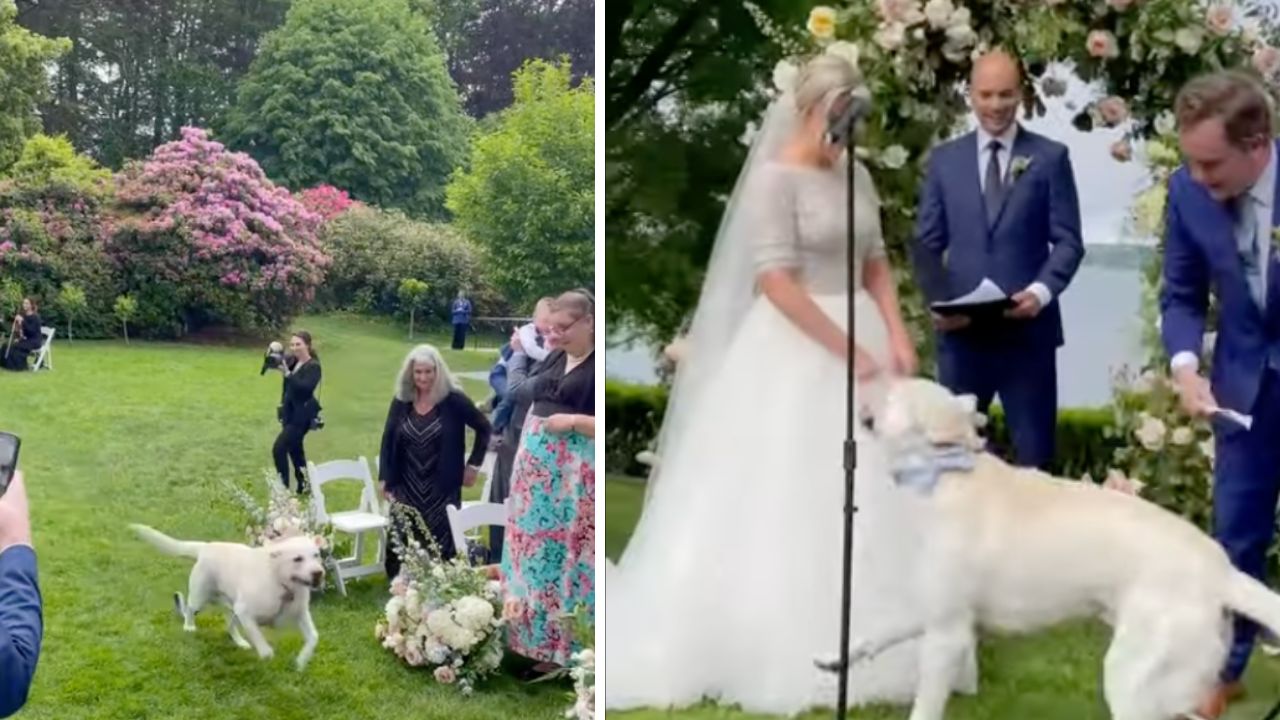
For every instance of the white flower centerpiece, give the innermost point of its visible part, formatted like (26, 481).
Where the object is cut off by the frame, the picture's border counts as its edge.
(284, 516)
(445, 616)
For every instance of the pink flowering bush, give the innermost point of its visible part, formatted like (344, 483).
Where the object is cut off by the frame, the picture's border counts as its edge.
(51, 235)
(220, 240)
(326, 201)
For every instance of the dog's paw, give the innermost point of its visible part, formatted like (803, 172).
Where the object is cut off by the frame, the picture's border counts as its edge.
(301, 663)
(266, 653)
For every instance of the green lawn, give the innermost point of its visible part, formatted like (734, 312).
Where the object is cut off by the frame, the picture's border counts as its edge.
(1053, 675)
(144, 433)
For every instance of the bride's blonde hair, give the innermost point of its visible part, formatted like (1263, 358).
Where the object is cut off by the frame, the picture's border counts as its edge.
(822, 77)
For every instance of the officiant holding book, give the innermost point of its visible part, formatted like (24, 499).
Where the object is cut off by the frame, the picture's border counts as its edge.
(999, 208)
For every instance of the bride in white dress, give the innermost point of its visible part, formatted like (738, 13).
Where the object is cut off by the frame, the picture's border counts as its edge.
(730, 586)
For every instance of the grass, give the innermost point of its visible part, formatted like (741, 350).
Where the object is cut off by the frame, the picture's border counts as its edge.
(146, 433)
(1053, 675)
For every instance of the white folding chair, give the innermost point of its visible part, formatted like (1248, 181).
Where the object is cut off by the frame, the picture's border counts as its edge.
(367, 517)
(471, 517)
(45, 357)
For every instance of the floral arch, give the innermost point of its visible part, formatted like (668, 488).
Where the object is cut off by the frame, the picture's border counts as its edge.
(916, 56)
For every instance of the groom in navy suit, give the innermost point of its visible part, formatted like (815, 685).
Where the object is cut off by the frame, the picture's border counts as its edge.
(1222, 208)
(1000, 204)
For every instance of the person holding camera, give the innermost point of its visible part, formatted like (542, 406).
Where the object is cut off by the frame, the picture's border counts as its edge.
(422, 462)
(299, 411)
(21, 619)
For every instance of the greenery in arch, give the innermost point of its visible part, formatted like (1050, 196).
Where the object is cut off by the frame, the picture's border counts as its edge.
(916, 57)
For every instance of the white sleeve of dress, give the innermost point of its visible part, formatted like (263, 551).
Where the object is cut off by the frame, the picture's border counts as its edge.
(872, 247)
(771, 213)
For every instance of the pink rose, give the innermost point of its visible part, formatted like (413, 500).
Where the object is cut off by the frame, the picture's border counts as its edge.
(399, 587)
(445, 675)
(511, 609)
(1122, 151)
(1220, 19)
(1113, 110)
(1266, 60)
(1102, 44)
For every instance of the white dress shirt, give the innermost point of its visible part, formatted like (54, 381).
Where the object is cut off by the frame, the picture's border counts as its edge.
(1261, 195)
(1005, 155)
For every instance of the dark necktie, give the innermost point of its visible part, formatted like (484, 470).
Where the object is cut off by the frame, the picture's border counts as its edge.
(993, 188)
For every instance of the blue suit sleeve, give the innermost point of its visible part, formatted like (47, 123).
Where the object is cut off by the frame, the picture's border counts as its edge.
(1184, 300)
(1064, 228)
(21, 626)
(930, 246)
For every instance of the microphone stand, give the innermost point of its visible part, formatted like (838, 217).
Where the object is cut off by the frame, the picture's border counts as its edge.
(844, 132)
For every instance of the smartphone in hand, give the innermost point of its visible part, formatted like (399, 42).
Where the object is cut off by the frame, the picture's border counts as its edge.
(9, 445)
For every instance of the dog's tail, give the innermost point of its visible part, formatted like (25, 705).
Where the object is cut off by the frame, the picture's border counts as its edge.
(1254, 600)
(166, 544)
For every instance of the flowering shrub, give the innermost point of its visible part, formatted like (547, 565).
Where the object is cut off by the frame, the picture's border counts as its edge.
(326, 201)
(1169, 455)
(442, 615)
(209, 224)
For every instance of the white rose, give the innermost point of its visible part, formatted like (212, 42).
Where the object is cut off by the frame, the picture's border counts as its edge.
(435, 653)
(960, 18)
(784, 75)
(894, 157)
(938, 13)
(891, 36)
(474, 613)
(1189, 40)
(1266, 60)
(1151, 432)
(1208, 450)
(845, 50)
(1166, 123)
(748, 135)
(1182, 436)
(1220, 19)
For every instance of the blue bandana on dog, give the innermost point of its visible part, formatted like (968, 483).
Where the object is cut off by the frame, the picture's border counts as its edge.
(921, 465)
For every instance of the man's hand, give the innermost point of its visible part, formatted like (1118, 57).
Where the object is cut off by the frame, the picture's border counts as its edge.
(469, 476)
(951, 323)
(15, 518)
(1026, 306)
(516, 345)
(1194, 392)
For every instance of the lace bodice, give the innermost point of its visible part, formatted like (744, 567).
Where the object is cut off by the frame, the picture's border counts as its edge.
(799, 221)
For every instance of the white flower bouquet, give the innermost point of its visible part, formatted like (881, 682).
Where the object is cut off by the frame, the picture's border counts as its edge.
(284, 516)
(443, 615)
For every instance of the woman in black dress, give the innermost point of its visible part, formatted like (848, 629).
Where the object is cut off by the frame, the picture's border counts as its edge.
(422, 462)
(26, 336)
(298, 409)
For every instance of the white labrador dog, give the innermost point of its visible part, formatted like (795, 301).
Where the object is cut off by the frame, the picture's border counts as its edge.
(269, 585)
(1013, 549)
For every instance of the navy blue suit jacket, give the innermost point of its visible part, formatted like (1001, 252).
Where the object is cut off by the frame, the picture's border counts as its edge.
(1201, 251)
(1035, 238)
(21, 626)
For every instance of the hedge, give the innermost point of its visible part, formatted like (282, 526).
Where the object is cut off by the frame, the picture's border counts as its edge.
(633, 414)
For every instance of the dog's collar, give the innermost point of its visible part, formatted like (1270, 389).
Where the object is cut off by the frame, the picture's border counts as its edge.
(921, 465)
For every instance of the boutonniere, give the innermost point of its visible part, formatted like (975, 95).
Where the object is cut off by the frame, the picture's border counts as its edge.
(1019, 165)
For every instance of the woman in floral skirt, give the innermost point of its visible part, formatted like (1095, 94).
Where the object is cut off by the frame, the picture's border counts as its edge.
(548, 563)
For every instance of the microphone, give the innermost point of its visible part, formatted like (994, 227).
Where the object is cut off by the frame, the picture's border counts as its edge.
(843, 115)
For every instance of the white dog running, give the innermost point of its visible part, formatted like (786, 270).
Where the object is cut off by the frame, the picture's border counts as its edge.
(270, 585)
(1015, 549)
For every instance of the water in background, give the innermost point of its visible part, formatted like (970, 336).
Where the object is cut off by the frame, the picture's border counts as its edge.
(1100, 313)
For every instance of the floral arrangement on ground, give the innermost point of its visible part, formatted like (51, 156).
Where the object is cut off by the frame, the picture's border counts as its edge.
(445, 616)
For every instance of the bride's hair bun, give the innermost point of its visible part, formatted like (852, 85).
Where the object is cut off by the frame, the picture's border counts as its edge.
(820, 78)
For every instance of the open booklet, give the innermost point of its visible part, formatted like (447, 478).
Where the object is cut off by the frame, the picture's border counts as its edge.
(986, 299)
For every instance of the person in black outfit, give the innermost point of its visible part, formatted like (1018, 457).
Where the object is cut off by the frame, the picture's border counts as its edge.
(298, 409)
(422, 461)
(26, 337)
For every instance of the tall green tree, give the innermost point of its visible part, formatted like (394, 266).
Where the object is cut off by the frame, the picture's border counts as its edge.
(23, 82)
(488, 40)
(140, 70)
(685, 77)
(529, 196)
(356, 95)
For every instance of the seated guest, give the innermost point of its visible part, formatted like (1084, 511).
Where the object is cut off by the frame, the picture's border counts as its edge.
(548, 561)
(26, 336)
(422, 462)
